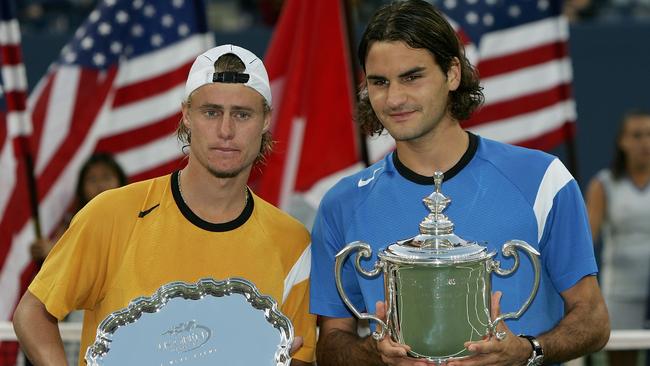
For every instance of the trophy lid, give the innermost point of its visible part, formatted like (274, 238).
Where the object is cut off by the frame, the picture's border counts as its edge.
(436, 243)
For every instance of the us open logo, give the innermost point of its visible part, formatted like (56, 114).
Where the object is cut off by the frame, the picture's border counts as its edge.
(185, 337)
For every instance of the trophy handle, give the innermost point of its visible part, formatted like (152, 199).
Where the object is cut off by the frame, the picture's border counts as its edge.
(509, 250)
(364, 252)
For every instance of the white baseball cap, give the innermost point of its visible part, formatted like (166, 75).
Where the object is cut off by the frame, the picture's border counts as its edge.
(255, 76)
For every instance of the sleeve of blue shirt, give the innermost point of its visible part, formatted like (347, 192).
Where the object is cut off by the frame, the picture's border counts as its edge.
(327, 240)
(566, 244)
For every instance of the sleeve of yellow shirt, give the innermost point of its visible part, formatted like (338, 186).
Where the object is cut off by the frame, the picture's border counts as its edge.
(296, 307)
(74, 273)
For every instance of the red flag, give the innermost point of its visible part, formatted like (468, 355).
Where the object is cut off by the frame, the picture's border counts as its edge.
(309, 67)
(117, 87)
(521, 52)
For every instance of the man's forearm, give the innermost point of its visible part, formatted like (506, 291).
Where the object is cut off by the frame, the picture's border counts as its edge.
(584, 329)
(38, 332)
(341, 348)
(295, 362)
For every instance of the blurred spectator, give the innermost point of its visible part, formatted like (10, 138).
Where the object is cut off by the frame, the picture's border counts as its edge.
(64, 16)
(625, 9)
(239, 15)
(576, 9)
(607, 10)
(52, 16)
(618, 202)
(99, 173)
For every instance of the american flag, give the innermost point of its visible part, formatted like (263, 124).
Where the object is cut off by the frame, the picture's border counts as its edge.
(14, 156)
(116, 87)
(521, 51)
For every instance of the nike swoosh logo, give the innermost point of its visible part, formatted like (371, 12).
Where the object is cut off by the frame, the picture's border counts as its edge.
(362, 182)
(147, 211)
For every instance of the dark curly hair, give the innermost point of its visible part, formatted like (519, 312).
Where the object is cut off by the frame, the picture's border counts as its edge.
(229, 62)
(419, 25)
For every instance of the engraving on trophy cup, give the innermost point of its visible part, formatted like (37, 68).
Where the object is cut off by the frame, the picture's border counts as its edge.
(437, 285)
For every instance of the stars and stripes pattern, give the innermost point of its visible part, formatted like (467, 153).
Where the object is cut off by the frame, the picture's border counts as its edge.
(15, 162)
(520, 49)
(116, 87)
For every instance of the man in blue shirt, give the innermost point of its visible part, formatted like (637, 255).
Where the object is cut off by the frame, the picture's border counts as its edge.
(419, 85)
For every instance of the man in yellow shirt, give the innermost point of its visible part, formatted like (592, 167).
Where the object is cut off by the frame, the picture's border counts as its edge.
(201, 221)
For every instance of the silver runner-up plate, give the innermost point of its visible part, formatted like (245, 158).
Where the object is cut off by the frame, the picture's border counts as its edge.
(208, 323)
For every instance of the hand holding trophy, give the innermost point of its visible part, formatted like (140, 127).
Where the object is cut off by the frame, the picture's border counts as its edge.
(437, 287)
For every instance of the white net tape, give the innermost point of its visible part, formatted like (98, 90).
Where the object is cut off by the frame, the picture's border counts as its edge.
(71, 333)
